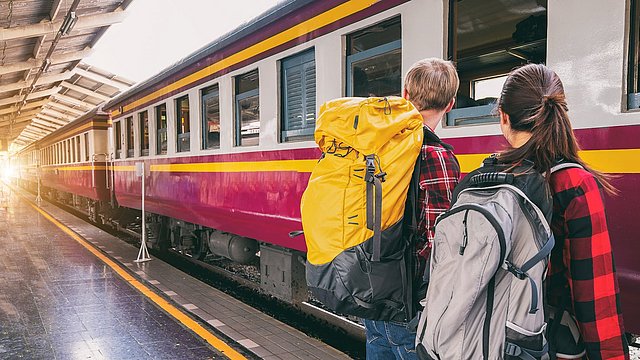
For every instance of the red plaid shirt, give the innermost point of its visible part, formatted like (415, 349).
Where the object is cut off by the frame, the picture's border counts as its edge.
(439, 175)
(582, 263)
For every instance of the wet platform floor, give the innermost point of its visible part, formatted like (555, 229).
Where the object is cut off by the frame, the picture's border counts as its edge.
(59, 301)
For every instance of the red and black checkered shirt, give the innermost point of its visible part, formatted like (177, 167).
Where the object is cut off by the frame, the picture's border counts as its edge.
(582, 263)
(439, 175)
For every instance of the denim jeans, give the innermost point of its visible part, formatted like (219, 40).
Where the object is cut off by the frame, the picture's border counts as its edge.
(388, 340)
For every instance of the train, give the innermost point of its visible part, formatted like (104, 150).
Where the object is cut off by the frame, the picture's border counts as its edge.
(226, 134)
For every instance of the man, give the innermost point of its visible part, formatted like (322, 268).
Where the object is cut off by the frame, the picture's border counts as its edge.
(431, 85)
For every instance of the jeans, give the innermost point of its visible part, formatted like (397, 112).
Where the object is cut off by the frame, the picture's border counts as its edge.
(388, 340)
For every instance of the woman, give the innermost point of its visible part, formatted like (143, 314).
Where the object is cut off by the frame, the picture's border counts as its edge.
(535, 122)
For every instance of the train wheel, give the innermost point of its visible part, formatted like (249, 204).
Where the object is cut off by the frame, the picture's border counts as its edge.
(199, 246)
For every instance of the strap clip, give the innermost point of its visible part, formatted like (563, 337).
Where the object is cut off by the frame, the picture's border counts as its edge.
(517, 272)
(512, 349)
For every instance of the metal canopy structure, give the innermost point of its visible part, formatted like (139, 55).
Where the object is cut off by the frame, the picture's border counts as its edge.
(43, 82)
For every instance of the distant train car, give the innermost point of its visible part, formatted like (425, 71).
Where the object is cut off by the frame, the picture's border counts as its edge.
(72, 162)
(227, 133)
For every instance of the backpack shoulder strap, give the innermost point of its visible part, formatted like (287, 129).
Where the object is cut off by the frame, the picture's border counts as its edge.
(565, 165)
(431, 137)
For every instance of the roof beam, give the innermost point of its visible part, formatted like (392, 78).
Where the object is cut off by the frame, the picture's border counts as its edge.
(42, 126)
(29, 137)
(52, 27)
(52, 119)
(43, 80)
(101, 78)
(33, 63)
(84, 90)
(38, 47)
(50, 124)
(36, 130)
(66, 108)
(16, 123)
(58, 114)
(33, 95)
(29, 105)
(55, 8)
(22, 115)
(73, 101)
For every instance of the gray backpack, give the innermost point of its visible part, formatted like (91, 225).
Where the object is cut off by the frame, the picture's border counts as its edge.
(487, 267)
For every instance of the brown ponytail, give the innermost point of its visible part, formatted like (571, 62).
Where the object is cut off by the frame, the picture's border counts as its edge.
(534, 99)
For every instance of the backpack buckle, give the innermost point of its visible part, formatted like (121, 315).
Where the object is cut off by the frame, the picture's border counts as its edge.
(516, 271)
(512, 349)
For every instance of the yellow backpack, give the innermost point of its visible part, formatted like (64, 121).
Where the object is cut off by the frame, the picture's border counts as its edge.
(354, 204)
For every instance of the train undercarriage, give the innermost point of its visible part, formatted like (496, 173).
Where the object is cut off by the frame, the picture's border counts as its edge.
(282, 273)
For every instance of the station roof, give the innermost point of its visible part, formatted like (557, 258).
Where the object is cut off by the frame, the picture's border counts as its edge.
(43, 82)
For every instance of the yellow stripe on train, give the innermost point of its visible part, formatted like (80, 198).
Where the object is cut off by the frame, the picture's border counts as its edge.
(620, 161)
(623, 161)
(305, 27)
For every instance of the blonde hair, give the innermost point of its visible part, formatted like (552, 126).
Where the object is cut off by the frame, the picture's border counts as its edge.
(431, 83)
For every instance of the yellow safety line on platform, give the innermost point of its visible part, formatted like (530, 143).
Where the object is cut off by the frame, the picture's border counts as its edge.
(164, 304)
(306, 27)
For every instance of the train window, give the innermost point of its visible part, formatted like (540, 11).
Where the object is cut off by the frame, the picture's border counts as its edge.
(161, 129)
(117, 138)
(130, 136)
(633, 82)
(299, 96)
(143, 125)
(210, 118)
(487, 39)
(67, 151)
(247, 127)
(374, 60)
(78, 158)
(86, 147)
(182, 123)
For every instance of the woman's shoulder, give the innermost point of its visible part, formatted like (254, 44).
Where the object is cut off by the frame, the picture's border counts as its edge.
(573, 179)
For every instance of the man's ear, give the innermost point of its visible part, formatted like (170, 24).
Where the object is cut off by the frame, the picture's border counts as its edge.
(405, 94)
(450, 105)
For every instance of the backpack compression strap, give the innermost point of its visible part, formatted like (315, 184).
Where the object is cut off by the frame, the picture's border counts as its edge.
(374, 210)
(521, 273)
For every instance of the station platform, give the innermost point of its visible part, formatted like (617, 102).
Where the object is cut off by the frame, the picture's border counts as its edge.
(73, 291)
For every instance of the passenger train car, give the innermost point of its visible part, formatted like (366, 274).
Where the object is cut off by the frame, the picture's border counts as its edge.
(227, 133)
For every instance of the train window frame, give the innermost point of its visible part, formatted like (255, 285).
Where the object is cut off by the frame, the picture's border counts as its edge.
(371, 53)
(161, 132)
(78, 155)
(87, 155)
(633, 60)
(129, 137)
(500, 56)
(183, 138)
(302, 62)
(209, 93)
(238, 99)
(143, 132)
(117, 139)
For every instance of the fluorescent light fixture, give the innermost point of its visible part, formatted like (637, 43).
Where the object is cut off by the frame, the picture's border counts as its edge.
(68, 23)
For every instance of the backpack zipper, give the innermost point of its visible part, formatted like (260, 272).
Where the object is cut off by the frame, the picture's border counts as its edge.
(465, 235)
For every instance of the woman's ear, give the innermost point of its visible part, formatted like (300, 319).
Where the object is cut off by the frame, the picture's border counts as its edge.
(505, 125)
(405, 94)
(504, 118)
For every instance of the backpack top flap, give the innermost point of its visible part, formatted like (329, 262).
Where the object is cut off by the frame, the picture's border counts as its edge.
(365, 124)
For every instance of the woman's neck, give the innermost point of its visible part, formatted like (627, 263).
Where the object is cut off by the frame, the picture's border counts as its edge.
(519, 138)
